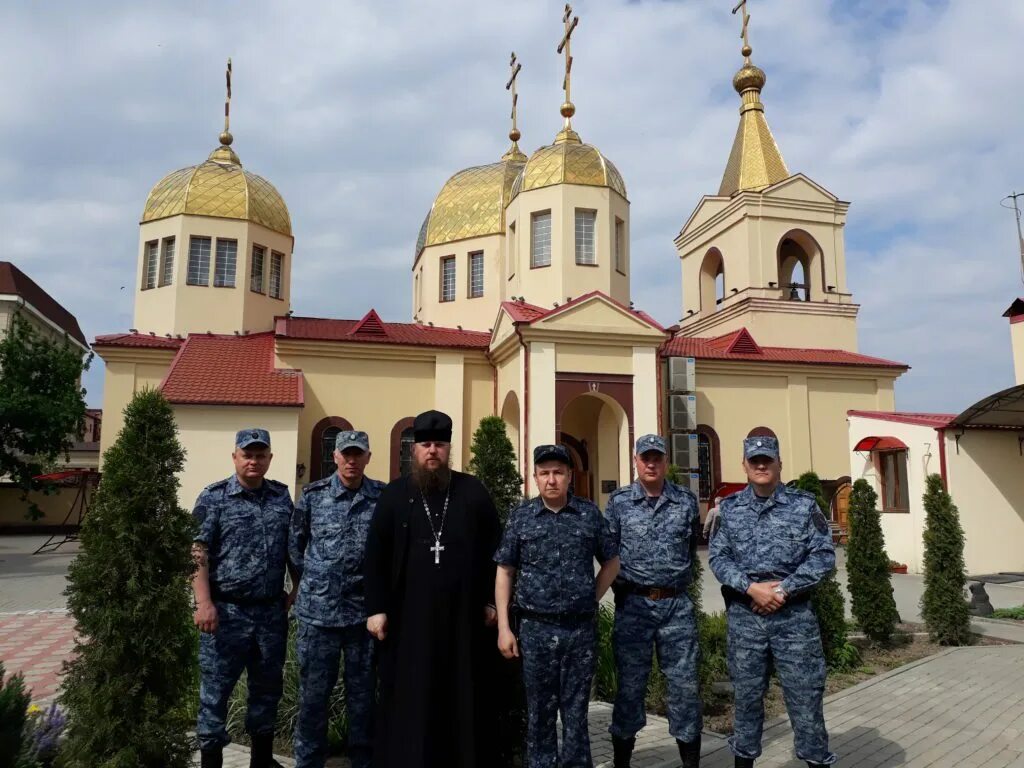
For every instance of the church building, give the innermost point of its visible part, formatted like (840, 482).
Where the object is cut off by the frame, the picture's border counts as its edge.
(521, 308)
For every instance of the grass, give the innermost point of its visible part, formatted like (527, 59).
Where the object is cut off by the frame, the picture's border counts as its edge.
(1016, 613)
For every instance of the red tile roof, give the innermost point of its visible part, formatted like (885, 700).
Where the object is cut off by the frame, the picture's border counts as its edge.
(231, 370)
(522, 312)
(740, 345)
(137, 340)
(374, 330)
(935, 420)
(14, 281)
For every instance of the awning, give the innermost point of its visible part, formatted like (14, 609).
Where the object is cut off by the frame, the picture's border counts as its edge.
(1003, 410)
(880, 443)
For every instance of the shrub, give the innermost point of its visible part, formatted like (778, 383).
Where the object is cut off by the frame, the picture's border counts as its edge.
(494, 464)
(1016, 613)
(867, 566)
(14, 701)
(127, 687)
(943, 607)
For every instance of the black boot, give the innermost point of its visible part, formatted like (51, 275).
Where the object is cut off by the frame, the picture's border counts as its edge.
(261, 754)
(689, 752)
(211, 758)
(744, 762)
(623, 750)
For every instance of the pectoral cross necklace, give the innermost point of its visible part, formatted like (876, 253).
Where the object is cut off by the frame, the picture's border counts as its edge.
(438, 548)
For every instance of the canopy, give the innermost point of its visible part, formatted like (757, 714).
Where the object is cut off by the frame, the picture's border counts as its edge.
(1003, 410)
(880, 443)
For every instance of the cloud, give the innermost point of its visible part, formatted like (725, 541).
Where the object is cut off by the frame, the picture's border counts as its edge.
(359, 111)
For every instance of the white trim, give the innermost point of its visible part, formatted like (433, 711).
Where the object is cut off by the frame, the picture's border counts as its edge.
(17, 299)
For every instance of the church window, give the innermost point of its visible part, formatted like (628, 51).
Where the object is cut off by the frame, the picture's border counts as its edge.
(276, 273)
(706, 464)
(224, 267)
(327, 464)
(448, 278)
(892, 469)
(586, 222)
(620, 245)
(152, 259)
(259, 255)
(540, 239)
(167, 266)
(476, 274)
(405, 453)
(511, 250)
(198, 261)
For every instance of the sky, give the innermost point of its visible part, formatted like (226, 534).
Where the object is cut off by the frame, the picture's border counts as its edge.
(359, 111)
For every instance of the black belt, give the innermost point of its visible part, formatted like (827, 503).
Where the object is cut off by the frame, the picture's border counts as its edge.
(559, 619)
(651, 593)
(254, 601)
(735, 596)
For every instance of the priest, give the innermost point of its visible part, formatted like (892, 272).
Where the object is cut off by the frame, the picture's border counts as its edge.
(430, 602)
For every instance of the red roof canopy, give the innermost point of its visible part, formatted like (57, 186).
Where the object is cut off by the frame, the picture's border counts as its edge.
(880, 443)
(374, 330)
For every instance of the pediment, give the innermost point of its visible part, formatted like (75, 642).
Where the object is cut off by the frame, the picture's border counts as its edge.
(598, 314)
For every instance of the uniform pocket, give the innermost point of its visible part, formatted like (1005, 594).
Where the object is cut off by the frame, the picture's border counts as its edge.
(331, 541)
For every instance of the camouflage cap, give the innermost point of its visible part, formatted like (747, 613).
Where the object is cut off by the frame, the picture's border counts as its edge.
(761, 446)
(246, 437)
(650, 443)
(544, 453)
(352, 439)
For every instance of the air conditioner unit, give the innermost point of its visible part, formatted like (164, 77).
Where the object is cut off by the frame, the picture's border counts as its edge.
(681, 376)
(684, 451)
(682, 413)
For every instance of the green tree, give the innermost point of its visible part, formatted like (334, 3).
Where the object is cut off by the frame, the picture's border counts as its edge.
(42, 403)
(127, 688)
(943, 606)
(827, 599)
(494, 464)
(14, 701)
(867, 567)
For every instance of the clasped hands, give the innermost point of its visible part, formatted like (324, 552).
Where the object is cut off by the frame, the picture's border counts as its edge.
(766, 599)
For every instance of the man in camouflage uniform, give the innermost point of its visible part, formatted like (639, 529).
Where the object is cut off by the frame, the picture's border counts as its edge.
(656, 525)
(550, 543)
(241, 549)
(771, 547)
(327, 544)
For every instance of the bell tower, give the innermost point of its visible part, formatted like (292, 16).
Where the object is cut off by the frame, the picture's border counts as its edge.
(766, 253)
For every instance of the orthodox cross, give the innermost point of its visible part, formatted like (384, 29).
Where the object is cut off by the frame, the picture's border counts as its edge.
(746, 23)
(570, 22)
(515, 66)
(437, 549)
(225, 138)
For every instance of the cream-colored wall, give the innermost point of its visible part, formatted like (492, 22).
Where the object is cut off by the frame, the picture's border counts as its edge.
(126, 372)
(645, 391)
(806, 324)
(986, 480)
(179, 308)
(478, 385)
(587, 358)
(544, 286)
(805, 406)
(541, 415)
(207, 435)
(472, 313)
(1017, 344)
(902, 530)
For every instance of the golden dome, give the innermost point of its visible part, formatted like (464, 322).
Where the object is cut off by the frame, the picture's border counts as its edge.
(472, 202)
(569, 161)
(219, 187)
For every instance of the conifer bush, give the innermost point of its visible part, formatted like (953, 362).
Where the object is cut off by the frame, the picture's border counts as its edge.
(943, 607)
(827, 599)
(494, 464)
(867, 566)
(126, 689)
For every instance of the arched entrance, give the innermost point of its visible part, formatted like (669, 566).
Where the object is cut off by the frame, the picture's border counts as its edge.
(595, 428)
(510, 415)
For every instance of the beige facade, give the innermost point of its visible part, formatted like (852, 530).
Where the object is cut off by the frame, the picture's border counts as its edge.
(741, 255)
(127, 371)
(1017, 345)
(983, 474)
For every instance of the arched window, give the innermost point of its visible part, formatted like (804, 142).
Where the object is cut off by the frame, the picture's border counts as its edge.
(801, 267)
(709, 461)
(401, 448)
(712, 281)
(321, 453)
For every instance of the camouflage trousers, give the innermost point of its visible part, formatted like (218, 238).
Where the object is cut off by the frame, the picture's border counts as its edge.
(249, 637)
(790, 639)
(670, 625)
(559, 659)
(320, 652)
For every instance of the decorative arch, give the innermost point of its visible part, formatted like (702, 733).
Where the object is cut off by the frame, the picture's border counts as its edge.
(762, 432)
(797, 249)
(709, 461)
(401, 446)
(510, 414)
(321, 449)
(712, 280)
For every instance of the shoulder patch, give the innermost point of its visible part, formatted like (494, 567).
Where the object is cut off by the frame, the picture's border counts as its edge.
(323, 481)
(215, 486)
(801, 492)
(819, 521)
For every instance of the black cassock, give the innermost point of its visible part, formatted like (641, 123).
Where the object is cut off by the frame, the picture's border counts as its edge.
(436, 705)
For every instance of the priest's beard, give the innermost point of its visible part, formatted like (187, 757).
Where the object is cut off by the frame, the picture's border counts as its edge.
(431, 480)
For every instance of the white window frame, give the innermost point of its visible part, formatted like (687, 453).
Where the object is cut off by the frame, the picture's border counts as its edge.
(167, 262)
(276, 282)
(540, 239)
(585, 242)
(226, 263)
(257, 278)
(447, 286)
(199, 260)
(476, 263)
(150, 264)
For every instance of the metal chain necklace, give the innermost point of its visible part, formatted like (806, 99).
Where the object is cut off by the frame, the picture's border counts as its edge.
(438, 548)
